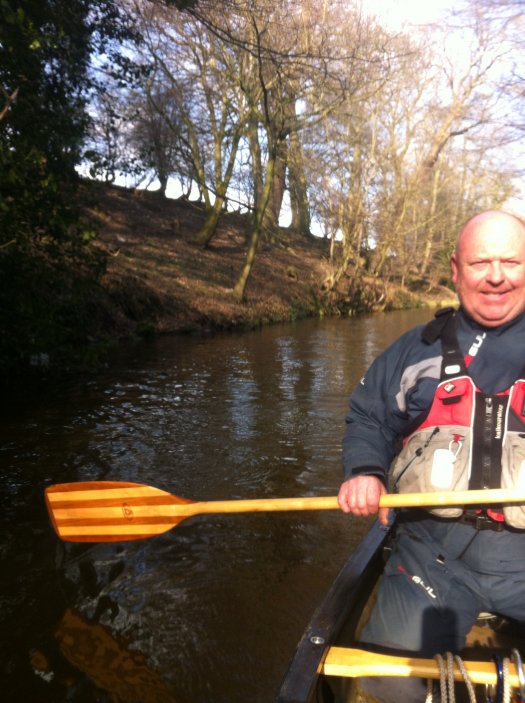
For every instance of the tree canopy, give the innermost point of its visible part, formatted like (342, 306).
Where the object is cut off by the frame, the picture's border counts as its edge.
(47, 49)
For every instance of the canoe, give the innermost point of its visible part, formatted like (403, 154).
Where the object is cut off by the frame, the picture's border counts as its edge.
(328, 660)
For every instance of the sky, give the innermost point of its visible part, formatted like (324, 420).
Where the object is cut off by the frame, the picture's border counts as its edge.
(397, 13)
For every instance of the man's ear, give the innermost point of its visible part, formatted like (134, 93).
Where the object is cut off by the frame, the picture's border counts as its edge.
(454, 268)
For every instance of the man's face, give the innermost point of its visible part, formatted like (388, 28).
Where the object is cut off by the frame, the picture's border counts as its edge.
(488, 269)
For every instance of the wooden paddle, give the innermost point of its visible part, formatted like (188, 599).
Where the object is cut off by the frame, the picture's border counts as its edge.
(114, 511)
(350, 662)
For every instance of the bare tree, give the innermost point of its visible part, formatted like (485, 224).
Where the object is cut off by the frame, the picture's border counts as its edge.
(199, 78)
(298, 90)
(157, 137)
(428, 110)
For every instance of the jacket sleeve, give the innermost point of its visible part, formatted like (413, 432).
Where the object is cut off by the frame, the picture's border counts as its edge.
(397, 388)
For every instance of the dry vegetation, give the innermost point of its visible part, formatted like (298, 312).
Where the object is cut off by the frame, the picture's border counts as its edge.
(159, 281)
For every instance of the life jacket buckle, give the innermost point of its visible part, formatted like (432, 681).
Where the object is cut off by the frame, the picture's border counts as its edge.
(481, 521)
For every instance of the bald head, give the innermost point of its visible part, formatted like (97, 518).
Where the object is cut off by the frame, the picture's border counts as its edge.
(489, 221)
(488, 267)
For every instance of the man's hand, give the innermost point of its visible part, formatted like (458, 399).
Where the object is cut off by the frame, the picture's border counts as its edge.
(360, 496)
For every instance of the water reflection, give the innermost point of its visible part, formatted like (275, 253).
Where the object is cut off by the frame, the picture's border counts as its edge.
(124, 674)
(209, 612)
(243, 394)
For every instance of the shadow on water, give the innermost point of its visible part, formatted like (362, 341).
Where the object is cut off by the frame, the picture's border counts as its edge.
(211, 611)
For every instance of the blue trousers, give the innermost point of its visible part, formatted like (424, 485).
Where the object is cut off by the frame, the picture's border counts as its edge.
(439, 577)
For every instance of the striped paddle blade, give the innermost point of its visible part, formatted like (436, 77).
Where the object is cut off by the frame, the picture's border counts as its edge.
(111, 511)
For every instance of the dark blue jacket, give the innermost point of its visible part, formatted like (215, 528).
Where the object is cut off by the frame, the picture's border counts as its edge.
(400, 384)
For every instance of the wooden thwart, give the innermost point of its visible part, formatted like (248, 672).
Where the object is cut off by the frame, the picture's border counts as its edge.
(350, 662)
(108, 511)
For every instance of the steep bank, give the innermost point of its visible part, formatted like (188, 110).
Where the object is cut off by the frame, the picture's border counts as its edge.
(159, 281)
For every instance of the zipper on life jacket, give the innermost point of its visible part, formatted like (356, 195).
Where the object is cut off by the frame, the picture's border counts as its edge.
(486, 456)
(489, 428)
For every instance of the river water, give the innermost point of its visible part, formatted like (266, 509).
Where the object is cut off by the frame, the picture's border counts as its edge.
(210, 611)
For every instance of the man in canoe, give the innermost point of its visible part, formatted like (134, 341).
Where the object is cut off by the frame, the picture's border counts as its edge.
(443, 409)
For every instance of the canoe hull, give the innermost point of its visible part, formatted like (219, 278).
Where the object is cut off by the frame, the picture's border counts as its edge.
(338, 620)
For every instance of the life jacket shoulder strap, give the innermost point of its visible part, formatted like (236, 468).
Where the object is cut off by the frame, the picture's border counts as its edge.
(433, 329)
(443, 327)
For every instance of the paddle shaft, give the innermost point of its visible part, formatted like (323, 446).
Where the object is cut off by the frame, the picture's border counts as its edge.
(101, 511)
(350, 662)
(388, 500)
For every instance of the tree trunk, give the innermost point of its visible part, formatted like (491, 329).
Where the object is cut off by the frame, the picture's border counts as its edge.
(298, 188)
(163, 180)
(277, 188)
(208, 229)
(431, 226)
(255, 235)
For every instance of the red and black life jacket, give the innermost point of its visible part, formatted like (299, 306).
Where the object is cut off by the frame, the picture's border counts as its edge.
(467, 439)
